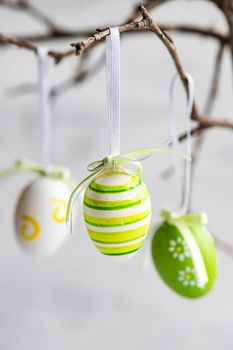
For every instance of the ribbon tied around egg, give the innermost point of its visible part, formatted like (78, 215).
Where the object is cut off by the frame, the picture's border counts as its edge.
(44, 169)
(117, 208)
(40, 212)
(182, 248)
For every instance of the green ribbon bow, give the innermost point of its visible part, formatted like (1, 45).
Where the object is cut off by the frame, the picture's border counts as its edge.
(129, 162)
(184, 219)
(26, 165)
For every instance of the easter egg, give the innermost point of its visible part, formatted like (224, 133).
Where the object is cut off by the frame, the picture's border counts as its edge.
(174, 260)
(117, 213)
(40, 216)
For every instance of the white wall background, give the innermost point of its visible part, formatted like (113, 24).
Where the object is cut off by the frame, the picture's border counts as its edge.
(79, 299)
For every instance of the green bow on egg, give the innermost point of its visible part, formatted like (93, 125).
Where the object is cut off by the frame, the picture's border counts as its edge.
(184, 253)
(184, 219)
(129, 163)
(29, 166)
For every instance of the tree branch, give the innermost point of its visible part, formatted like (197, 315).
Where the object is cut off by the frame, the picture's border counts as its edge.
(55, 31)
(214, 85)
(56, 55)
(144, 24)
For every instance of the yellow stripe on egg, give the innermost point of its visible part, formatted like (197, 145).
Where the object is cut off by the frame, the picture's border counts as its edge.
(117, 211)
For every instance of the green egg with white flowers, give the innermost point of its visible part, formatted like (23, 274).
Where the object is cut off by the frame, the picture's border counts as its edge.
(182, 250)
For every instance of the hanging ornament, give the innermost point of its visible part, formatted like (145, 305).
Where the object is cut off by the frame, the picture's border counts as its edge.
(117, 207)
(41, 209)
(183, 250)
(184, 254)
(117, 212)
(40, 216)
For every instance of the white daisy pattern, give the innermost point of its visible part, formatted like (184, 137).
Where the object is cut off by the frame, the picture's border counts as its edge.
(179, 249)
(187, 277)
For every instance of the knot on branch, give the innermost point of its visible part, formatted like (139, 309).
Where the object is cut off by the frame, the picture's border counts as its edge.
(145, 14)
(79, 47)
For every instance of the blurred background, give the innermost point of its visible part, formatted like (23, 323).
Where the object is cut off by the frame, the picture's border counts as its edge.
(78, 298)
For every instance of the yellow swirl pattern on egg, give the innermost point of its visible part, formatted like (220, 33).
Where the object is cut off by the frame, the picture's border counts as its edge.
(31, 229)
(59, 209)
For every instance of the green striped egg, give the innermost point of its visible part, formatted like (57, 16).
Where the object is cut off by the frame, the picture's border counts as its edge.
(117, 213)
(173, 261)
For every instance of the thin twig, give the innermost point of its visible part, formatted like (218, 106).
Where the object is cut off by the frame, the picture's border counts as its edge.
(146, 23)
(199, 140)
(149, 5)
(193, 29)
(169, 44)
(56, 31)
(56, 55)
(214, 84)
(99, 35)
(187, 29)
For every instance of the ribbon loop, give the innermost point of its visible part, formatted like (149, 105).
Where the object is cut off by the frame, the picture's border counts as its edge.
(44, 107)
(182, 220)
(175, 142)
(113, 88)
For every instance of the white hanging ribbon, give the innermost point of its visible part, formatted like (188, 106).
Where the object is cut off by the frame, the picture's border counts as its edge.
(113, 89)
(44, 108)
(198, 262)
(112, 69)
(175, 143)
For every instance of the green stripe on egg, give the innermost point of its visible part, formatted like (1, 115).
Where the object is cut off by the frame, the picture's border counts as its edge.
(118, 237)
(121, 250)
(114, 222)
(115, 205)
(117, 213)
(133, 182)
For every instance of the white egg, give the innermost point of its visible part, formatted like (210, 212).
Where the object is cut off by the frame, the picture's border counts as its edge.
(40, 216)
